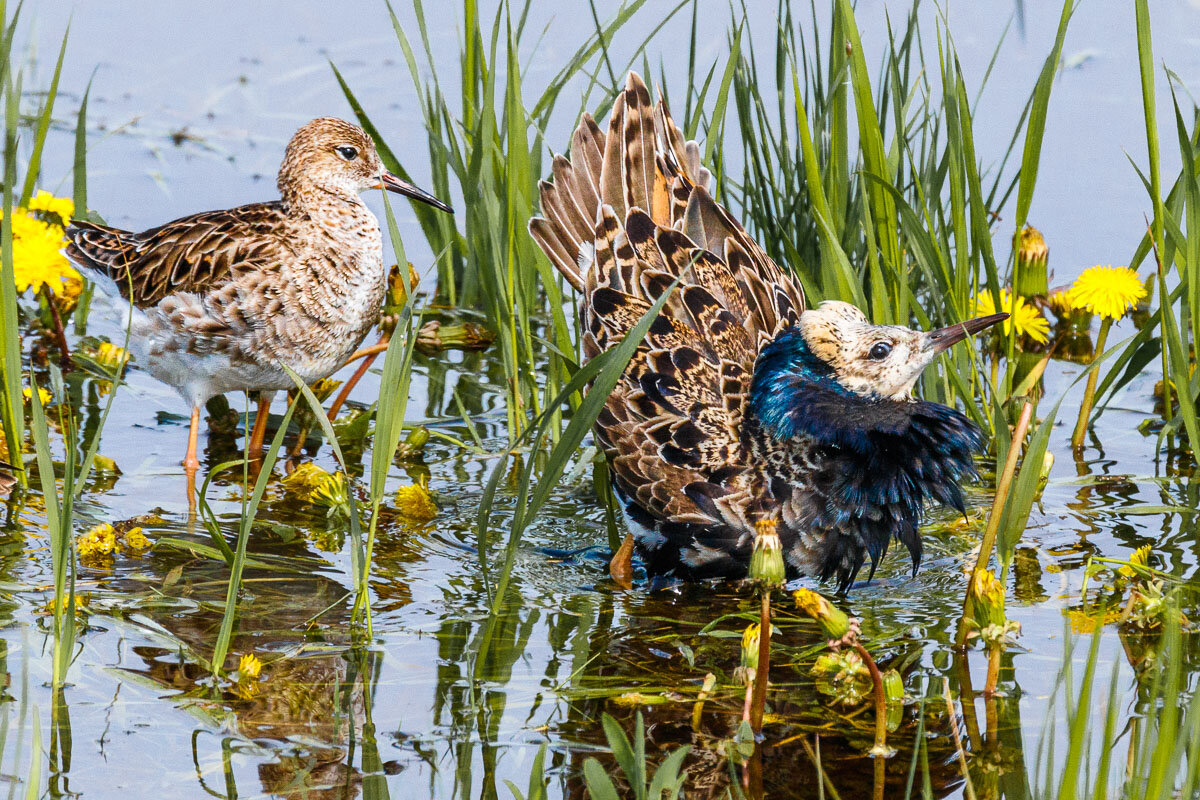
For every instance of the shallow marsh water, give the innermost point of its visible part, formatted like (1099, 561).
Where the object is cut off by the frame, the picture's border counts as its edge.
(191, 106)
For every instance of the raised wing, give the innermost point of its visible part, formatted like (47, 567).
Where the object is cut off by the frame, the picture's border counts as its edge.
(624, 218)
(191, 254)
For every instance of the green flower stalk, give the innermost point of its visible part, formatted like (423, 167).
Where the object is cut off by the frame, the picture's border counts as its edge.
(1109, 292)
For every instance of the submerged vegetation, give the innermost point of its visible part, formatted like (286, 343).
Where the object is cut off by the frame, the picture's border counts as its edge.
(268, 615)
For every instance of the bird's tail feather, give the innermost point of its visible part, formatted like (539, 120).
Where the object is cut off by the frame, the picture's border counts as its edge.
(642, 161)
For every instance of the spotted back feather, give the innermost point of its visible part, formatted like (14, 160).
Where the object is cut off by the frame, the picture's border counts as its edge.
(192, 254)
(627, 215)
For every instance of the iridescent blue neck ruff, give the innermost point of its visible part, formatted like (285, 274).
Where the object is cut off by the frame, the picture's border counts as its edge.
(878, 460)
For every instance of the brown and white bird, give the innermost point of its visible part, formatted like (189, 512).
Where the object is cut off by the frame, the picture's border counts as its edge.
(744, 423)
(222, 300)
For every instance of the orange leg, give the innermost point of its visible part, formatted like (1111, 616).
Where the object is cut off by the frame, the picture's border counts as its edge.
(259, 433)
(191, 462)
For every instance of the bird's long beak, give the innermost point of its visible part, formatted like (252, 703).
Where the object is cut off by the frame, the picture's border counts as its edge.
(393, 184)
(943, 338)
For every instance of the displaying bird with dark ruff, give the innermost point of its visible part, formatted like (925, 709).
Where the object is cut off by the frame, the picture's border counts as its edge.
(223, 300)
(742, 415)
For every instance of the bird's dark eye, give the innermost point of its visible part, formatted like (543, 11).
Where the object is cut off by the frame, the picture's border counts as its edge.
(880, 351)
(347, 152)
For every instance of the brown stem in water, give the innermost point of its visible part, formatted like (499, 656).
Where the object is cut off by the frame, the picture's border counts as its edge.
(764, 662)
(880, 699)
(993, 674)
(993, 526)
(967, 694)
(60, 333)
(962, 755)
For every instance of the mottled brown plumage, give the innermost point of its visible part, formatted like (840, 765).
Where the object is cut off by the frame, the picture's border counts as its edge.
(223, 300)
(740, 411)
(627, 215)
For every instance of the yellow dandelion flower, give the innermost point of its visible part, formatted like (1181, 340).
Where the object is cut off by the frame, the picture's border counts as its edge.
(304, 478)
(44, 395)
(249, 666)
(61, 207)
(323, 388)
(1060, 303)
(136, 540)
(415, 503)
(110, 356)
(1084, 621)
(37, 261)
(1028, 320)
(83, 602)
(332, 492)
(246, 690)
(98, 544)
(1106, 290)
(1140, 558)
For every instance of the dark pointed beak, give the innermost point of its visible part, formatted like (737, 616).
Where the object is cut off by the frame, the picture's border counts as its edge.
(951, 335)
(399, 186)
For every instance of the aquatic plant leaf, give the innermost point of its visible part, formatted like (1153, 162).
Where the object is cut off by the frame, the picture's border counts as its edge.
(599, 785)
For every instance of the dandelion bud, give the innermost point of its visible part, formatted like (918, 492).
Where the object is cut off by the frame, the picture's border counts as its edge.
(398, 288)
(1029, 278)
(414, 444)
(893, 689)
(434, 337)
(1044, 474)
(987, 599)
(750, 642)
(766, 562)
(833, 621)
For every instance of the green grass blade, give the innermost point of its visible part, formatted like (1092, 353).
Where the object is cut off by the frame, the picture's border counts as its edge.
(33, 168)
(1036, 126)
(225, 632)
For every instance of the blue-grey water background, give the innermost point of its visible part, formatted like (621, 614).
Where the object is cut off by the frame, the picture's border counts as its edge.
(191, 105)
